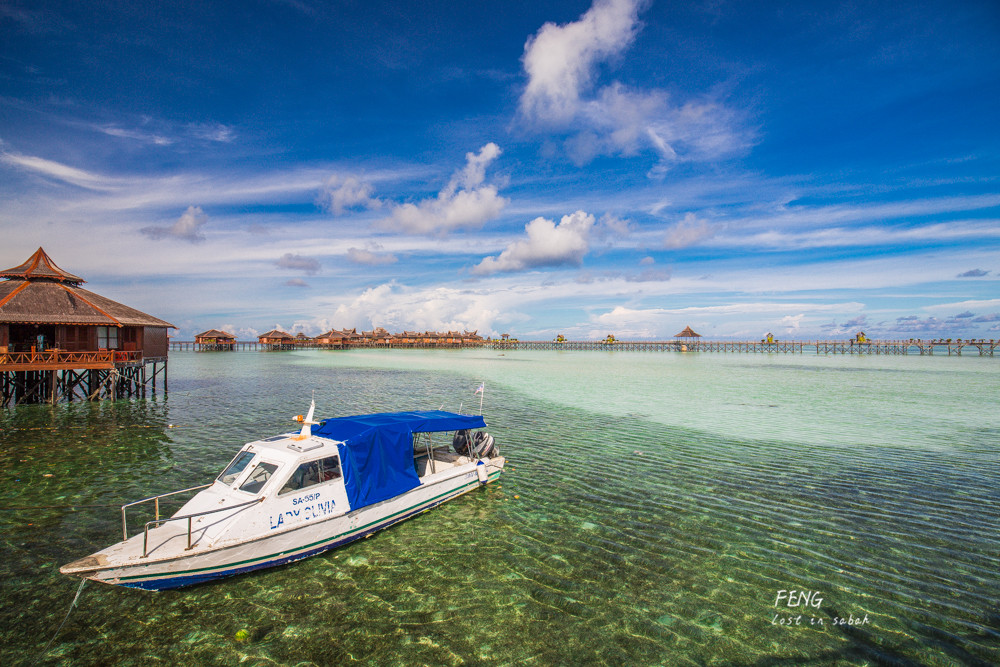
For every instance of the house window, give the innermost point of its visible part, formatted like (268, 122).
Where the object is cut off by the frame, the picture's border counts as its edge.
(107, 338)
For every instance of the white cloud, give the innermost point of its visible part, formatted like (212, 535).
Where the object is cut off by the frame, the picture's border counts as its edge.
(187, 228)
(792, 322)
(137, 135)
(562, 62)
(547, 244)
(341, 193)
(400, 308)
(688, 232)
(369, 257)
(56, 170)
(212, 132)
(308, 265)
(465, 203)
(649, 276)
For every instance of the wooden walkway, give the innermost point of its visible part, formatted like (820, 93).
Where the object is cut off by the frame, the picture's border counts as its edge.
(982, 348)
(253, 345)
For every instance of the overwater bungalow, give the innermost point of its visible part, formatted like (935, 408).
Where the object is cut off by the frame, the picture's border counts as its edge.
(277, 340)
(407, 339)
(213, 339)
(60, 341)
(377, 337)
(332, 339)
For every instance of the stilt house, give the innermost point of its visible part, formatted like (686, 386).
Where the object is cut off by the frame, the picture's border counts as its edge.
(58, 340)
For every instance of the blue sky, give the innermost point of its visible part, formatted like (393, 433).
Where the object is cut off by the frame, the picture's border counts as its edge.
(584, 168)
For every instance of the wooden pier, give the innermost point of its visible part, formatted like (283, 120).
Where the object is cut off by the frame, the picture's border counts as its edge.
(984, 348)
(56, 375)
(254, 345)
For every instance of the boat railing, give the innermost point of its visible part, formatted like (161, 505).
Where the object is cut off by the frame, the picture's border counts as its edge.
(156, 502)
(145, 536)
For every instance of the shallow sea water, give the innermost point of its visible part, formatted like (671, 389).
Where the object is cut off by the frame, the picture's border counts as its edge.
(657, 509)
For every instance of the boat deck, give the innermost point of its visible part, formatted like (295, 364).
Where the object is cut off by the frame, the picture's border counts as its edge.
(444, 459)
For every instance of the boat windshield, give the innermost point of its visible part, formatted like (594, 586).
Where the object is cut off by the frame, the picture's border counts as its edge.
(241, 461)
(258, 478)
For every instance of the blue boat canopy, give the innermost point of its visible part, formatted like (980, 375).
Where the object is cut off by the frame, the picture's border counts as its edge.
(376, 453)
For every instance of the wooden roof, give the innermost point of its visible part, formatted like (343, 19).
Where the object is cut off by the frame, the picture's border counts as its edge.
(215, 333)
(41, 266)
(274, 333)
(687, 333)
(39, 292)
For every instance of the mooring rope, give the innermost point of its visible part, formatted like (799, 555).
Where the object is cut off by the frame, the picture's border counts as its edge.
(59, 629)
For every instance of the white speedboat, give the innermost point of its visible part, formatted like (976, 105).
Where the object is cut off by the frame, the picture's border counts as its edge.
(295, 495)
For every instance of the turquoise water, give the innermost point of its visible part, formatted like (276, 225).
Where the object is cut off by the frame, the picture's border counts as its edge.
(658, 508)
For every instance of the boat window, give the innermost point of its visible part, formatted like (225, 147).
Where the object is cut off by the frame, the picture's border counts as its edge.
(312, 472)
(241, 461)
(258, 478)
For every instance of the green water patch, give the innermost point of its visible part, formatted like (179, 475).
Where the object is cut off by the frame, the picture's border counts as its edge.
(610, 538)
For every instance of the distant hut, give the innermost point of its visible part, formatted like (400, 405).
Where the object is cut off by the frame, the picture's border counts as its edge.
(277, 340)
(352, 338)
(472, 338)
(52, 330)
(213, 339)
(406, 339)
(687, 333)
(332, 338)
(377, 337)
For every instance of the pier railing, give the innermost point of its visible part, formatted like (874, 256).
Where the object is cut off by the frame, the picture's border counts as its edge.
(984, 348)
(881, 347)
(62, 360)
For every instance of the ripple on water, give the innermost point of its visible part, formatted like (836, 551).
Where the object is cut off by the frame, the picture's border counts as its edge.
(623, 532)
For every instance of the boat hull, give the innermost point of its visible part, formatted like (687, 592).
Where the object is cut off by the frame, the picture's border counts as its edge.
(309, 539)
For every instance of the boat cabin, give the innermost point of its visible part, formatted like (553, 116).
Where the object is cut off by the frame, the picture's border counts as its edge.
(355, 461)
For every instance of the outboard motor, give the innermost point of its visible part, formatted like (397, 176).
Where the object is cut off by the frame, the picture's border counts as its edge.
(482, 444)
(474, 445)
(461, 442)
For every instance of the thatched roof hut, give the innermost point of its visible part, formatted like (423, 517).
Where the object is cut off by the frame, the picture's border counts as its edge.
(277, 340)
(43, 306)
(687, 333)
(275, 336)
(214, 335)
(213, 339)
